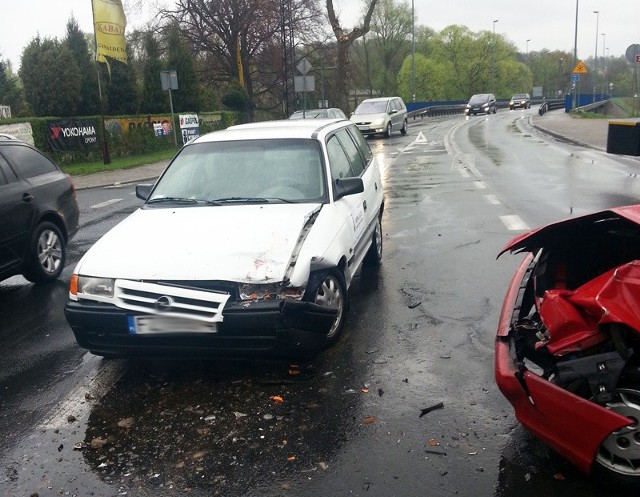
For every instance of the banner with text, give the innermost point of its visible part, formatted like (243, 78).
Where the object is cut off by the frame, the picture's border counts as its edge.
(189, 127)
(109, 24)
(72, 134)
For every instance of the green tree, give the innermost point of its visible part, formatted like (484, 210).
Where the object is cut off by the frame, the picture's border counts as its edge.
(187, 97)
(76, 41)
(10, 90)
(51, 78)
(391, 25)
(121, 90)
(153, 99)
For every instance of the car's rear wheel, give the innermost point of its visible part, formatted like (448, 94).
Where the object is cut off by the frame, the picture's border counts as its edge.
(332, 293)
(374, 254)
(619, 454)
(387, 131)
(47, 254)
(403, 130)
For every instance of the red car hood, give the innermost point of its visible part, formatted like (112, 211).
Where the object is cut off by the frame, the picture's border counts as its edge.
(539, 237)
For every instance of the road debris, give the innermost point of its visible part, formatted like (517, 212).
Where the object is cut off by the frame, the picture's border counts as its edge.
(369, 420)
(434, 407)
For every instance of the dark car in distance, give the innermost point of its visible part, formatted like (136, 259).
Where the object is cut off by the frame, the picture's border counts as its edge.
(481, 103)
(38, 213)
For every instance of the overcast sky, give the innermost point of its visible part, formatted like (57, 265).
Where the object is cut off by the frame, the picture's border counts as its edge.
(548, 24)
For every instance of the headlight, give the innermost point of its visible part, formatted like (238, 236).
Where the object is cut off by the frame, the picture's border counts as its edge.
(377, 122)
(96, 287)
(269, 292)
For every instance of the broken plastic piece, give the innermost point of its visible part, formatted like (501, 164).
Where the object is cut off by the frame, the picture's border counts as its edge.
(427, 410)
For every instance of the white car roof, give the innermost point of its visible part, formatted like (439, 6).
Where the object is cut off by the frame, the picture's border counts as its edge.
(286, 128)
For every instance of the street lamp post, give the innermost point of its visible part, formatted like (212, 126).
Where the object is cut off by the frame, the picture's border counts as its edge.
(413, 53)
(595, 60)
(527, 52)
(493, 72)
(575, 89)
(604, 65)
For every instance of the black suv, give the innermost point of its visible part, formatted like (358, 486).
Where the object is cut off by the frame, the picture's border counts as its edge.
(38, 213)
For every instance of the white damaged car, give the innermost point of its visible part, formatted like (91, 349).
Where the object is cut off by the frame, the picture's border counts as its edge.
(246, 245)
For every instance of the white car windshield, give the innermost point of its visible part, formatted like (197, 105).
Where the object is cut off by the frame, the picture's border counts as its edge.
(285, 170)
(371, 108)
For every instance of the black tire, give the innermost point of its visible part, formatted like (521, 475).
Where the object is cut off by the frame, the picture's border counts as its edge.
(332, 293)
(387, 131)
(46, 255)
(403, 130)
(374, 254)
(617, 459)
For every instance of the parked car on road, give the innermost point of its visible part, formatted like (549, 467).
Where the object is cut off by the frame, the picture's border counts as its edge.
(381, 116)
(38, 213)
(481, 103)
(520, 101)
(330, 113)
(246, 245)
(567, 352)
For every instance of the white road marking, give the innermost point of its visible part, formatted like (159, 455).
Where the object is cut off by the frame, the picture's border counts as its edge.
(420, 138)
(106, 203)
(80, 400)
(492, 199)
(514, 223)
(480, 185)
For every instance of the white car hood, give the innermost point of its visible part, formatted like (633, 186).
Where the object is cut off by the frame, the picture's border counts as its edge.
(251, 243)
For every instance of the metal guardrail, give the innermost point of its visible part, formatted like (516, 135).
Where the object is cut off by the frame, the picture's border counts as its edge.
(552, 104)
(437, 110)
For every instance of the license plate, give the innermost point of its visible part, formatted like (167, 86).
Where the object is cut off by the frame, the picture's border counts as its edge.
(153, 325)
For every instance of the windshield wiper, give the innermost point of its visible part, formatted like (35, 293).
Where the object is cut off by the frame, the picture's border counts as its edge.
(176, 200)
(248, 200)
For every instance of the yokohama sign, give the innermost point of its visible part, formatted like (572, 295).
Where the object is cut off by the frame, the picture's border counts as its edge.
(72, 134)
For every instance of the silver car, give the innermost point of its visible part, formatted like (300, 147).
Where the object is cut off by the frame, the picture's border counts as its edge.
(381, 116)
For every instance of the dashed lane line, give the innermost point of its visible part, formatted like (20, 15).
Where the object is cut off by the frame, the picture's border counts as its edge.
(514, 223)
(106, 203)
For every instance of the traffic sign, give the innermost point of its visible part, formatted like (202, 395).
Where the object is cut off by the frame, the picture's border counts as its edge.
(580, 68)
(632, 53)
(575, 77)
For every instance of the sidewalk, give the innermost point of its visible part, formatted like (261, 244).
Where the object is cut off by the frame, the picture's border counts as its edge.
(590, 133)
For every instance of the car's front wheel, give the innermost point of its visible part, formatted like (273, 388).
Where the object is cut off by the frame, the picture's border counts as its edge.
(619, 455)
(387, 131)
(332, 293)
(47, 254)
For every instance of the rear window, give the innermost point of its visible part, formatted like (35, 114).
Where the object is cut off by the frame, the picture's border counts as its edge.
(28, 162)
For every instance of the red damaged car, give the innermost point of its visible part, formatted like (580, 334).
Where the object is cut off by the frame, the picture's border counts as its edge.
(567, 353)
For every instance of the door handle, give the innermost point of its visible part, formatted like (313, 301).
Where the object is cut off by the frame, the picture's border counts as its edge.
(27, 197)
(364, 204)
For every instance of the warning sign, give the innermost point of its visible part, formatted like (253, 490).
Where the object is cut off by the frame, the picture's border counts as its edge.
(580, 68)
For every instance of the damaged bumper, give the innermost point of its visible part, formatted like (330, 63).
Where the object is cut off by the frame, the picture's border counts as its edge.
(274, 329)
(573, 426)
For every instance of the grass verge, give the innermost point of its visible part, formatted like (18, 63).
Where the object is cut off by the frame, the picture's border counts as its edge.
(118, 163)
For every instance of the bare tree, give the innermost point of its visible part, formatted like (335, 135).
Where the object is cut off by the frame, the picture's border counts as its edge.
(344, 41)
(242, 39)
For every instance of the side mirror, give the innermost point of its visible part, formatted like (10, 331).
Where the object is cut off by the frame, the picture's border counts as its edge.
(347, 186)
(143, 191)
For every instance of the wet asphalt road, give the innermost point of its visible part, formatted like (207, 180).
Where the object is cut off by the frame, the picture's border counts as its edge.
(419, 334)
